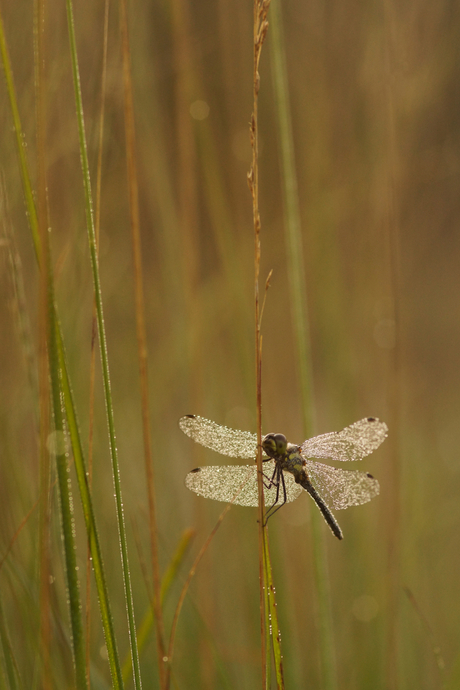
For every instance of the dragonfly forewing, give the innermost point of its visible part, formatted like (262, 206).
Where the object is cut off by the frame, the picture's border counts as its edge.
(238, 484)
(235, 444)
(352, 443)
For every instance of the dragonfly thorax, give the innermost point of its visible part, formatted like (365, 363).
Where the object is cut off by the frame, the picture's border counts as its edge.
(294, 462)
(287, 456)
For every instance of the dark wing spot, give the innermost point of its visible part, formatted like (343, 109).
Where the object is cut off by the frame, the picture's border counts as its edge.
(371, 419)
(197, 469)
(190, 416)
(371, 476)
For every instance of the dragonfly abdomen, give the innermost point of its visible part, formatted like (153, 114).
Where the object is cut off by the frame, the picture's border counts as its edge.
(325, 511)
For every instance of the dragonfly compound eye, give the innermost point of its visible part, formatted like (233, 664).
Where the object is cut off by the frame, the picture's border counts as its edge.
(269, 444)
(281, 443)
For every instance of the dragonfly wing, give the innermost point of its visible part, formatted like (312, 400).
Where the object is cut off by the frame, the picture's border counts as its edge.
(352, 443)
(236, 444)
(342, 488)
(238, 484)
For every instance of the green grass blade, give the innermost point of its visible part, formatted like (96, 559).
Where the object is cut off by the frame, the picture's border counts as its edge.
(171, 572)
(103, 349)
(267, 648)
(11, 670)
(292, 221)
(298, 299)
(273, 627)
(141, 331)
(65, 496)
(50, 388)
(73, 429)
(88, 511)
(20, 141)
(67, 521)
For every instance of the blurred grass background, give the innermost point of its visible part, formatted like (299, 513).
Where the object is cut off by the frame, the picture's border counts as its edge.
(375, 102)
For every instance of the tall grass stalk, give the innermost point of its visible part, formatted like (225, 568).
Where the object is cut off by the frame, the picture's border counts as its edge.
(12, 678)
(299, 306)
(47, 366)
(72, 423)
(103, 350)
(191, 573)
(141, 335)
(145, 627)
(20, 141)
(268, 616)
(92, 370)
(88, 511)
(273, 630)
(253, 179)
(391, 220)
(50, 382)
(65, 496)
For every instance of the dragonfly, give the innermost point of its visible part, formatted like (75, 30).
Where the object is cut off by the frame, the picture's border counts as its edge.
(289, 469)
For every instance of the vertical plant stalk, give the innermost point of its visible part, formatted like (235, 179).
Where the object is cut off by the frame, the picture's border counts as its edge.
(72, 422)
(25, 177)
(191, 573)
(92, 374)
(103, 350)
(273, 628)
(267, 591)
(50, 376)
(141, 335)
(298, 299)
(253, 181)
(65, 495)
(144, 629)
(392, 229)
(90, 522)
(10, 669)
(43, 363)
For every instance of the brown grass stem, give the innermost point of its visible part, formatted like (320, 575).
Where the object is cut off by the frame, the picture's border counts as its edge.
(141, 331)
(44, 327)
(300, 322)
(184, 590)
(266, 591)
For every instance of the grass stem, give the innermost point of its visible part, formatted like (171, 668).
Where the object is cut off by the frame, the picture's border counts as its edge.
(299, 306)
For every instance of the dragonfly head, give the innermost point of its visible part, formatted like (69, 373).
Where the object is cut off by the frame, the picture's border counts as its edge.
(274, 445)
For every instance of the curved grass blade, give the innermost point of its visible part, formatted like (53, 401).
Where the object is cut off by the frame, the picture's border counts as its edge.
(147, 623)
(77, 447)
(65, 494)
(103, 349)
(11, 669)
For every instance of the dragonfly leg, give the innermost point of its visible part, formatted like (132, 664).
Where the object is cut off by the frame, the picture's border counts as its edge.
(271, 481)
(279, 482)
